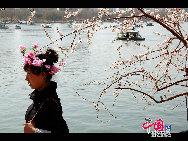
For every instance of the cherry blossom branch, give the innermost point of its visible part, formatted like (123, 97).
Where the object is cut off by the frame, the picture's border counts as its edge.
(157, 101)
(30, 19)
(129, 17)
(171, 84)
(152, 78)
(165, 26)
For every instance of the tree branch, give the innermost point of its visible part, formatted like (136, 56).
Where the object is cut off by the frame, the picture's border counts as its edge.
(165, 26)
(157, 101)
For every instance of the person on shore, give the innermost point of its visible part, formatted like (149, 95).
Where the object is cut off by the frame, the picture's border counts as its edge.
(44, 115)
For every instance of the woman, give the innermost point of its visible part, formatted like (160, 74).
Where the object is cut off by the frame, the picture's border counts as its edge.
(44, 115)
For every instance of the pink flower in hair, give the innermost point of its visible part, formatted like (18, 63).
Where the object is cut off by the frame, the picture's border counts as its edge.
(38, 62)
(31, 59)
(47, 67)
(55, 69)
(35, 45)
(44, 60)
(37, 50)
(26, 58)
(22, 49)
(52, 72)
(35, 62)
(29, 62)
(60, 64)
(32, 54)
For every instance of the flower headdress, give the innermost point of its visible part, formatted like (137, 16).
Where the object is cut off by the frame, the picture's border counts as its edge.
(31, 59)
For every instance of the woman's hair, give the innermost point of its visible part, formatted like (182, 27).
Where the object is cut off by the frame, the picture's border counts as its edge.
(51, 57)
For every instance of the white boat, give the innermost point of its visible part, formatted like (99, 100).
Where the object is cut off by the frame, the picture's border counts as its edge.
(23, 22)
(48, 26)
(130, 35)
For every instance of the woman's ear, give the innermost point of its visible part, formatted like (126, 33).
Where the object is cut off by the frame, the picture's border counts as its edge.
(44, 75)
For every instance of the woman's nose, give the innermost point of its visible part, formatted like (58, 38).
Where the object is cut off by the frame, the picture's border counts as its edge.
(26, 78)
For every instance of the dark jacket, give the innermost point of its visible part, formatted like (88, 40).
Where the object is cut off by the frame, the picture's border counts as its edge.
(46, 110)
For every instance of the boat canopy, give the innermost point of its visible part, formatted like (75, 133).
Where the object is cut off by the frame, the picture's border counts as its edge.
(129, 35)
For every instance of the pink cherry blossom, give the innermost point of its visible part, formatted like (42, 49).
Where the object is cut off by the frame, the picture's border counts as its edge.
(47, 67)
(40, 62)
(60, 64)
(35, 63)
(52, 72)
(31, 59)
(35, 45)
(22, 48)
(44, 60)
(55, 69)
(31, 54)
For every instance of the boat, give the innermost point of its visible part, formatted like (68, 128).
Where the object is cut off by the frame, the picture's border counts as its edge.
(48, 25)
(149, 24)
(23, 22)
(17, 27)
(136, 25)
(130, 35)
(3, 26)
(30, 23)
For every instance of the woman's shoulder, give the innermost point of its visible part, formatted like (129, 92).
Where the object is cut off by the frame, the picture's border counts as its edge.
(49, 101)
(52, 104)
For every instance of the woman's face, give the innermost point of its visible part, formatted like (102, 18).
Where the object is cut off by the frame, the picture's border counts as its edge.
(35, 81)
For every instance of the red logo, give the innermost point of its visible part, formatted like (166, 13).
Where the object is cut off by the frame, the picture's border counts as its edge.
(158, 125)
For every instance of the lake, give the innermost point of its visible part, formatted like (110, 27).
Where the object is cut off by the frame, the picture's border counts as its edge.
(83, 66)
